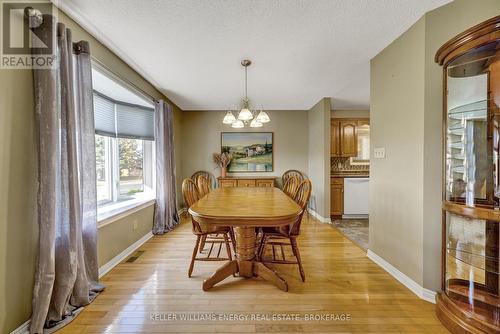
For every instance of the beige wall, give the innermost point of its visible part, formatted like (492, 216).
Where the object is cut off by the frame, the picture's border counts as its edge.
(350, 113)
(406, 118)
(18, 172)
(202, 137)
(397, 80)
(120, 234)
(318, 120)
(18, 228)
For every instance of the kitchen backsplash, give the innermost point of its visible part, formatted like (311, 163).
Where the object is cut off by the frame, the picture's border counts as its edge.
(344, 165)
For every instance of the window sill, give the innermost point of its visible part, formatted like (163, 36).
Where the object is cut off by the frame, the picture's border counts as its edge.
(111, 213)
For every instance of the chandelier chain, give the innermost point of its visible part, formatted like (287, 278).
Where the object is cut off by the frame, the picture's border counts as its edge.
(246, 114)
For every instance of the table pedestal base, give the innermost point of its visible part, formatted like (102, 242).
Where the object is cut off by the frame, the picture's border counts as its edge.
(245, 265)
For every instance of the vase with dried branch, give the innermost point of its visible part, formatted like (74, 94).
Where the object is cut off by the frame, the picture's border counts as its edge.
(223, 160)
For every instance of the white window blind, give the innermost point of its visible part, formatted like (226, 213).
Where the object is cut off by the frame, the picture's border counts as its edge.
(122, 120)
(104, 116)
(134, 122)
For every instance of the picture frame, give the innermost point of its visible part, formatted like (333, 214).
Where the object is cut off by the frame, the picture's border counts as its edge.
(253, 152)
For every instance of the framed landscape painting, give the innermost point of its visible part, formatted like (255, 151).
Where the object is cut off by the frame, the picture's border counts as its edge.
(252, 151)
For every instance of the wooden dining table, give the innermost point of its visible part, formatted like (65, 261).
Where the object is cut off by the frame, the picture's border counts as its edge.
(246, 209)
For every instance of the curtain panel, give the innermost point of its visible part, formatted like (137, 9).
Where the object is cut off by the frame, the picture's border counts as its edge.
(166, 216)
(67, 270)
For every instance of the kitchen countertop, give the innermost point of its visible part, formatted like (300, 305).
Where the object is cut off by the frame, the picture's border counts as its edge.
(350, 174)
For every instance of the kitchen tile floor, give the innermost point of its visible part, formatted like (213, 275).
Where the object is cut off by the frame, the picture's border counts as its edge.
(355, 230)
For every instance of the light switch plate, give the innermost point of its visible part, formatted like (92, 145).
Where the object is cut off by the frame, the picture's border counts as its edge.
(379, 153)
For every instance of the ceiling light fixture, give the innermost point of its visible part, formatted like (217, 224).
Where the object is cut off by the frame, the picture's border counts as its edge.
(246, 114)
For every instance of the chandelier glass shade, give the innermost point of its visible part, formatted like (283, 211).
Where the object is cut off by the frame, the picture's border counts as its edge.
(229, 118)
(246, 114)
(238, 124)
(263, 117)
(255, 123)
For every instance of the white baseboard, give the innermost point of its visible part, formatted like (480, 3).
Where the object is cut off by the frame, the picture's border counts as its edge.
(103, 270)
(428, 295)
(318, 216)
(355, 216)
(421, 292)
(23, 329)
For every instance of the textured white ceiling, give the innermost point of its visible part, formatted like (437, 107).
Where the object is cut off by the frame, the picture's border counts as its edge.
(301, 50)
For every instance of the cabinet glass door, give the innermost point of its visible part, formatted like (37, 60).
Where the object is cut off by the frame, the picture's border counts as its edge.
(472, 132)
(471, 181)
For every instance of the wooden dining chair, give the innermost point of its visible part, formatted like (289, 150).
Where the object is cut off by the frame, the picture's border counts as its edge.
(191, 195)
(273, 236)
(291, 186)
(292, 173)
(203, 188)
(207, 175)
(203, 184)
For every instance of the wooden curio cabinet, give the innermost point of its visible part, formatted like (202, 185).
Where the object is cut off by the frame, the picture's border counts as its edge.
(469, 302)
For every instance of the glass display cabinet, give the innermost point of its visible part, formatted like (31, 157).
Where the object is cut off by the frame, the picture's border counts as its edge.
(470, 300)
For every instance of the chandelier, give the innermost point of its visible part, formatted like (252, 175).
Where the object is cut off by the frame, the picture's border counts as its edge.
(246, 115)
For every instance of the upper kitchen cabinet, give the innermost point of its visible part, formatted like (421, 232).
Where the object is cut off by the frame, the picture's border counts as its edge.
(335, 138)
(345, 136)
(348, 138)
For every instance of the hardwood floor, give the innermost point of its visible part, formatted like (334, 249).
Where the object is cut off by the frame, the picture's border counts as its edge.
(340, 280)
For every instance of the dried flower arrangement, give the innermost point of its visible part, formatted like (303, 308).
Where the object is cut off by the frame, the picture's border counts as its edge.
(222, 160)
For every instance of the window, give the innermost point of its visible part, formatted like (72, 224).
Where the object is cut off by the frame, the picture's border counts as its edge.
(124, 142)
(363, 149)
(103, 169)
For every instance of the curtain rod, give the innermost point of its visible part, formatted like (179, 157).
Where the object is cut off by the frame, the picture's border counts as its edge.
(110, 72)
(36, 19)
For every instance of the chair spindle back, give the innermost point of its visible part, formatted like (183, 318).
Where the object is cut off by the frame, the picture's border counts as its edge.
(203, 185)
(190, 192)
(291, 186)
(301, 198)
(191, 195)
(207, 175)
(290, 173)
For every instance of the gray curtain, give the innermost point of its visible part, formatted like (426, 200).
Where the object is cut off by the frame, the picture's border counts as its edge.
(166, 217)
(67, 272)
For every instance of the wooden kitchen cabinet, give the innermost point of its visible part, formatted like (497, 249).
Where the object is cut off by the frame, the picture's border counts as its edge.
(344, 137)
(363, 121)
(337, 196)
(335, 138)
(348, 139)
